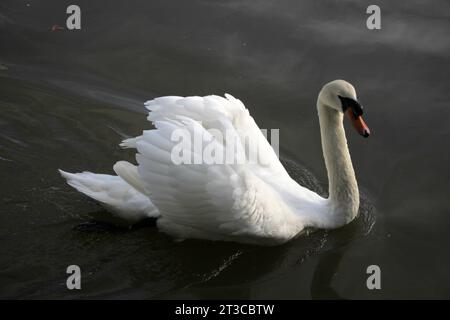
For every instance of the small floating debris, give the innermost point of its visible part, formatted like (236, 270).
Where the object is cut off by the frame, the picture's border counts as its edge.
(56, 27)
(3, 67)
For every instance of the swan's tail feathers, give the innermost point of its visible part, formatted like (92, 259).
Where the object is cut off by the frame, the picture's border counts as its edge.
(126, 204)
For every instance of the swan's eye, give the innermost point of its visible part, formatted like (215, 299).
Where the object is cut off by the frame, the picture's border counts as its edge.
(354, 105)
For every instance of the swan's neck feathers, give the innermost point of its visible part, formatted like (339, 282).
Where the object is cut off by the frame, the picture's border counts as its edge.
(343, 198)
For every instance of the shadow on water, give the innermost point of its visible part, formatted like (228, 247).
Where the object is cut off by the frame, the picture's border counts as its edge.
(329, 261)
(335, 243)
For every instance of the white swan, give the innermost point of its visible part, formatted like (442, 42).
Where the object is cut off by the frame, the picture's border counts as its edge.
(250, 203)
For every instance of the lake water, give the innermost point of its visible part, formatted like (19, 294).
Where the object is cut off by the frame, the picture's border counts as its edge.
(68, 98)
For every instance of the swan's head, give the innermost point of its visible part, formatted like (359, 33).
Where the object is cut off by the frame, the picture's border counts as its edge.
(341, 96)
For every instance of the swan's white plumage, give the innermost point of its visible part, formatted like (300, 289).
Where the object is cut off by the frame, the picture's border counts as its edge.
(251, 202)
(129, 173)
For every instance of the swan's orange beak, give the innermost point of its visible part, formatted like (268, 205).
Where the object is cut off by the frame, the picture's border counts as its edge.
(358, 123)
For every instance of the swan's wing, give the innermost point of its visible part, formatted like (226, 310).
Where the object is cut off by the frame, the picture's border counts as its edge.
(211, 201)
(126, 205)
(223, 115)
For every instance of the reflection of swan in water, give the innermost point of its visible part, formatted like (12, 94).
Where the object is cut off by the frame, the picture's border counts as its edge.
(250, 203)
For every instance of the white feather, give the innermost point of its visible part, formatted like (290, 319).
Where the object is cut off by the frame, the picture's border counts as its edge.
(126, 205)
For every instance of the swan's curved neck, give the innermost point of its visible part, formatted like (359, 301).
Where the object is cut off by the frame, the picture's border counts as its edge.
(343, 188)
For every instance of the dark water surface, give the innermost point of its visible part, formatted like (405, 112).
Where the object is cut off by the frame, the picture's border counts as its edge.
(68, 98)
